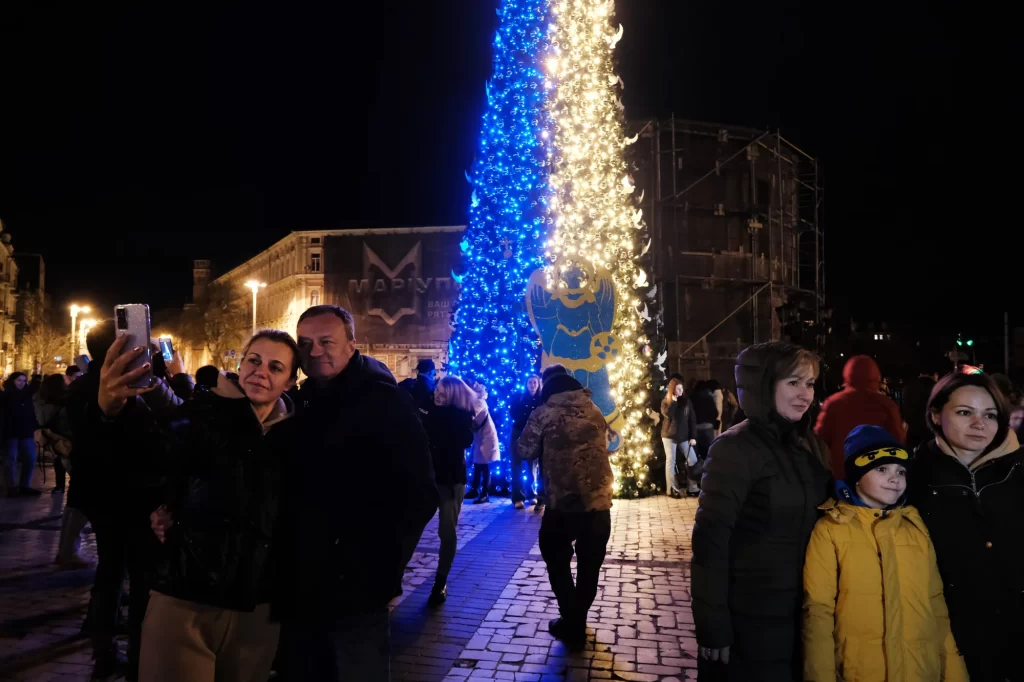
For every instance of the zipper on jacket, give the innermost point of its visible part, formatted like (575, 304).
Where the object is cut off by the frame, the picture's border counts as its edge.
(1005, 478)
(971, 472)
(974, 483)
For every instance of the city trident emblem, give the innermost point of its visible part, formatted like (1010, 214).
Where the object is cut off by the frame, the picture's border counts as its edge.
(396, 285)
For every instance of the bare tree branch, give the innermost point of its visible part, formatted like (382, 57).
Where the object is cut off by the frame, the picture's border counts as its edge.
(219, 322)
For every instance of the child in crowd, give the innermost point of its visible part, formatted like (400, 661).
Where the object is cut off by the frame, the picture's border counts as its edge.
(873, 604)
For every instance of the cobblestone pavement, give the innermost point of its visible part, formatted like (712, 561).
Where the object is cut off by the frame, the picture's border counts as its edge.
(493, 626)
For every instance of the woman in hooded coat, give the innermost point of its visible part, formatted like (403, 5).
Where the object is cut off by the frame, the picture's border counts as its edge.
(762, 484)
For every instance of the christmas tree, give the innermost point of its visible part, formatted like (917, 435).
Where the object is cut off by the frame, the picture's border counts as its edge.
(493, 342)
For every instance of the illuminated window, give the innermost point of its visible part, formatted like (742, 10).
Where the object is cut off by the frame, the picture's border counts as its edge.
(314, 262)
(314, 298)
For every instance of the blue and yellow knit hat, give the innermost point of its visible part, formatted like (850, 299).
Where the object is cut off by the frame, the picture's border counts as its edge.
(868, 447)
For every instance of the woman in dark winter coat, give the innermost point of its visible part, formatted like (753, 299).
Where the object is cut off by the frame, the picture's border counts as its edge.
(449, 426)
(762, 484)
(968, 484)
(209, 613)
(19, 428)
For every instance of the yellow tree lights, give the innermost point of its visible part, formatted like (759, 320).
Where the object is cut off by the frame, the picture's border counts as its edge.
(595, 228)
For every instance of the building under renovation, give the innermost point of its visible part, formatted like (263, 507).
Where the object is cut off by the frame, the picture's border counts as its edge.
(735, 216)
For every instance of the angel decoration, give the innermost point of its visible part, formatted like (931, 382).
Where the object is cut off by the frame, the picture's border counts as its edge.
(573, 312)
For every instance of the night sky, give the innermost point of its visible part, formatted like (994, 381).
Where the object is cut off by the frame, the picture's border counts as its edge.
(137, 139)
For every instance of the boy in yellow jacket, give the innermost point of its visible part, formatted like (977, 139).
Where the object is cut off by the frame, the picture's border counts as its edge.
(873, 604)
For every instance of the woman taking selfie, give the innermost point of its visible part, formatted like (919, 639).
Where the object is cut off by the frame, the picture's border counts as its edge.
(762, 484)
(208, 616)
(968, 484)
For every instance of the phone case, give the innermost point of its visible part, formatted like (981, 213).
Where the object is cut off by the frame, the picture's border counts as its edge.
(132, 320)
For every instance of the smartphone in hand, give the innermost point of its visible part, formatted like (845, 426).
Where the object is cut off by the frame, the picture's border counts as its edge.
(132, 320)
(166, 349)
(82, 363)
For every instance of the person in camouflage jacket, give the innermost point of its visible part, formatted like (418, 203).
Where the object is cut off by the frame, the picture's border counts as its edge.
(573, 436)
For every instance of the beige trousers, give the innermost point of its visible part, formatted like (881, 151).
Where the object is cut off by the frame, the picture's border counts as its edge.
(187, 642)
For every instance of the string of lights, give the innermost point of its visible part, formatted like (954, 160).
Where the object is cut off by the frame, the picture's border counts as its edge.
(596, 225)
(493, 341)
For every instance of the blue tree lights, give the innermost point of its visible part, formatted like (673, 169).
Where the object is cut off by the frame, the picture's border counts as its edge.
(493, 341)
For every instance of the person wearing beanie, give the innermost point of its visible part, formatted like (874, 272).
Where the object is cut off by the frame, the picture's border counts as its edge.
(873, 601)
(573, 435)
(422, 387)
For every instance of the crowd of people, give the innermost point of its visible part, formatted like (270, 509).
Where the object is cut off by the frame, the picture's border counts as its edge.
(832, 541)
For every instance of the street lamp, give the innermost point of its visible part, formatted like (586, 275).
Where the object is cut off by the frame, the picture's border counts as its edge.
(75, 309)
(255, 287)
(83, 332)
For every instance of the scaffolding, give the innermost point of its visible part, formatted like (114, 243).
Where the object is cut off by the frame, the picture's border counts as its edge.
(735, 216)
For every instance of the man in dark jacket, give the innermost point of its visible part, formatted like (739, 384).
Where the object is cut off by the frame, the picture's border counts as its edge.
(707, 413)
(422, 387)
(344, 563)
(860, 402)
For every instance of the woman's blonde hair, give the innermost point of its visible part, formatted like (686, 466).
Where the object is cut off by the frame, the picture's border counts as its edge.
(452, 390)
(793, 360)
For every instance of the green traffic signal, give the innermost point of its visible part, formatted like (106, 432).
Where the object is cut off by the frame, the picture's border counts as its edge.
(959, 342)
(970, 342)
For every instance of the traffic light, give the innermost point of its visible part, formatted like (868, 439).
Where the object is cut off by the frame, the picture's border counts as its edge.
(970, 342)
(959, 342)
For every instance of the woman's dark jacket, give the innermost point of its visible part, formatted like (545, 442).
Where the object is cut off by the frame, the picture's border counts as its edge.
(523, 406)
(684, 417)
(19, 413)
(450, 431)
(762, 484)
(976, 520)
(224, 472)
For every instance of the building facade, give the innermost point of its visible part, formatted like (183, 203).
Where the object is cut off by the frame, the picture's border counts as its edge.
(397, 283)
(33, 306)
(8, 304)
